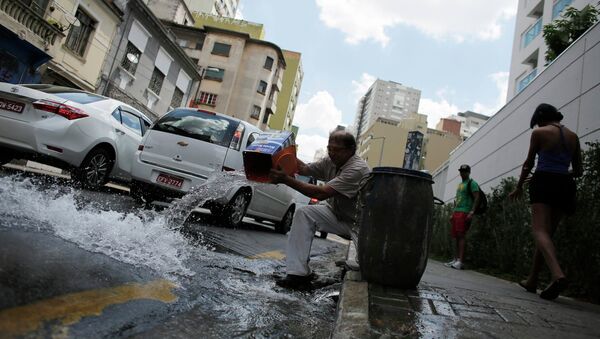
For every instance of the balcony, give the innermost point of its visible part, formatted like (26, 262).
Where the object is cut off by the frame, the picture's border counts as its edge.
(31, 19)
(526, 80)
(532, 33)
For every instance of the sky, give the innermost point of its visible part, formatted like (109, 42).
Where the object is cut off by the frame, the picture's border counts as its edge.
(456, 52)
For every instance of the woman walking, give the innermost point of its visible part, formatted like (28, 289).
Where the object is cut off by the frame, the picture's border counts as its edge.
(551, 191)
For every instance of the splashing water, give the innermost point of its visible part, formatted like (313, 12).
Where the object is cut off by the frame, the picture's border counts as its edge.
(135, 238)
(217, 185)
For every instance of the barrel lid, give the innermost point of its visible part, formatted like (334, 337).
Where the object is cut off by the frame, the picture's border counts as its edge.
(402, 171)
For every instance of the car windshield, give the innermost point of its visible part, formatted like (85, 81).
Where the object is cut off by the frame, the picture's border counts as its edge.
(198, 125)
(68, 93)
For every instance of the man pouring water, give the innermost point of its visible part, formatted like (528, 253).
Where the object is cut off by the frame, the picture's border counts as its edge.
(342, 171)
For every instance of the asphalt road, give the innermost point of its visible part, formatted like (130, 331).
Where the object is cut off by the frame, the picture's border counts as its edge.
(76, 263)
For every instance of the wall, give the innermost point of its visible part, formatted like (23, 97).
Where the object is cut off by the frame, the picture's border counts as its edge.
(438, 146)
(498, 149)
(287, 100)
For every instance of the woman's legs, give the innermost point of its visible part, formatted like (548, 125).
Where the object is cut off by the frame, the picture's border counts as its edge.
(544, 223)
(538, 258)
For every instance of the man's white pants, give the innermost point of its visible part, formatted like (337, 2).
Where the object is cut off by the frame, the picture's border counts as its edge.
(307, 220)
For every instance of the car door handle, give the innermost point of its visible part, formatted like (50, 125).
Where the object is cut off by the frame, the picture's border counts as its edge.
(119, 131)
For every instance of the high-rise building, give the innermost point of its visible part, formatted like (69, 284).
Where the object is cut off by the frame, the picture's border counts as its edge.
(388, 100)
(288, 97)
(529, 48)
(223, 8)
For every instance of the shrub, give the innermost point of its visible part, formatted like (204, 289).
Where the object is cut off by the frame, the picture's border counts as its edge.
(500, 241)
(561, 33)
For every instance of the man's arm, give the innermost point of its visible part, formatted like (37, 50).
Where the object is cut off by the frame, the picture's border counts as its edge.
(477, 197)
(302, 167)
(319, 192)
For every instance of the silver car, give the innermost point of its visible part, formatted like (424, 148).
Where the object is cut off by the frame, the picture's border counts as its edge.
(185, 146)
(69, 128)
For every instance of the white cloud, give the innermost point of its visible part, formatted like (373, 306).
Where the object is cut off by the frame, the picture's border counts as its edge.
(308, 145)
(457, 20)
(435, 110)
(316, 119)
(318, 115)
(362, 86)
(501, 80)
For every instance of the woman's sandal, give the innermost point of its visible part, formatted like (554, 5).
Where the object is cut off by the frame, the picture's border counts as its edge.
(554, 289)
(530, 289)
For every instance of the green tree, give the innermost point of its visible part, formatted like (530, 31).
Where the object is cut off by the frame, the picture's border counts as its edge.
(561, 33)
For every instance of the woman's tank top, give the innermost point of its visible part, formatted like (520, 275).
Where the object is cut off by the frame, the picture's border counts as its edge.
(555, 160)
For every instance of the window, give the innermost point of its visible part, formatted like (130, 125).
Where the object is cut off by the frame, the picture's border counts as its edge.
(221, 49)
(199, 125)
(262, 87)
(251, 138)
(213, 73)
(526, 80)
(156, 81)
(131, 59)
(206, 98)
(559, 6)
(255, 113)
(200, 42)
(269, 63)
(38, 6)
(177, 98)
(182, 43)
(266, 117)
(196, 61)
(78, 37)
(131, 121)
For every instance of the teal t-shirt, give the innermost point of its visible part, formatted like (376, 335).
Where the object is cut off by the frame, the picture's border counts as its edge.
(464, 201)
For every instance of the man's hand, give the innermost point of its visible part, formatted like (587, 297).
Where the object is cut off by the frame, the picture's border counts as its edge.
(470, 215)
(277, 176)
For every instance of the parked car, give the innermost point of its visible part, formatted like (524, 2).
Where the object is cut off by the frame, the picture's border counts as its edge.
(94, 135)
(185, 146)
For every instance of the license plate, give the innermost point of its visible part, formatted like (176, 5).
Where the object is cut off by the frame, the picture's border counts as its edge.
(169, 180)
(11, 106)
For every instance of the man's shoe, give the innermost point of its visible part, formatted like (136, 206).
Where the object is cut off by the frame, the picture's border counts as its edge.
(450, 263)
(296, 282)
(457, 265)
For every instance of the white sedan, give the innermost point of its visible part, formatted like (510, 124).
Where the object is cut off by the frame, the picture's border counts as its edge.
(94, 135)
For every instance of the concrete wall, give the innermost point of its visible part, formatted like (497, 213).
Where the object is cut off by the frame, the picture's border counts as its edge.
(497, 150)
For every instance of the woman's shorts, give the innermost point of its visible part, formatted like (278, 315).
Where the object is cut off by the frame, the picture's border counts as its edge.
(553, 189)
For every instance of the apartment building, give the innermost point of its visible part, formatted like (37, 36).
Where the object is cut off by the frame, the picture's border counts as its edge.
(222, 8)
(384, 142)
(287, 99)
(146, 68)
(241, 76)
(57, 42)
(172, 10)
(529, 48)
(388, 100)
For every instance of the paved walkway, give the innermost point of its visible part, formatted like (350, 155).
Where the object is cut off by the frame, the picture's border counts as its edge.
(459, 304)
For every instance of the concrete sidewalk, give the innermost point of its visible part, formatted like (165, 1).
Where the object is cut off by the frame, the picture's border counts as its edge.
(461, 304)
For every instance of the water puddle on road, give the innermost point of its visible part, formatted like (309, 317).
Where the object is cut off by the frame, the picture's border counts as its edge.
(235, 296)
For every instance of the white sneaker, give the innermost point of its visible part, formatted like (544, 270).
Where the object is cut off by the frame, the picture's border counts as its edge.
(457, 265)
(450, 263)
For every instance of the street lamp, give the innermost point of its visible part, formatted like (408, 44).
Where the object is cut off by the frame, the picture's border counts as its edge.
(371, 137)
(202, 73)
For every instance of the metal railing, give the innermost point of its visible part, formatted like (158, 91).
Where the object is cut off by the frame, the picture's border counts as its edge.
(532, 32)
(30, 17)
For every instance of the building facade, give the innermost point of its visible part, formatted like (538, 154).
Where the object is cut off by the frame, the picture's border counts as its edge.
(223, 8)
(57, 42)
(145, 67)
(449, 125)
(290, 91)
(241, 76)
(438, 146)
(388, 100)
(497, 150)
(529, 48)
(175, 11)
(384, 142)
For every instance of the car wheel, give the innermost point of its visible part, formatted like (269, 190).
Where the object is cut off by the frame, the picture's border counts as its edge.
(95, 168)
(322, 234)
(233, 214)
(285, 224)
(5, 156)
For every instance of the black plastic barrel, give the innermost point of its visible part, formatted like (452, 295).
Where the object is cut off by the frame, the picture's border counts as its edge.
(396, 210)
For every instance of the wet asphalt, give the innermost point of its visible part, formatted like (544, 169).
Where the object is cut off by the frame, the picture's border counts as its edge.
(71, 266)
